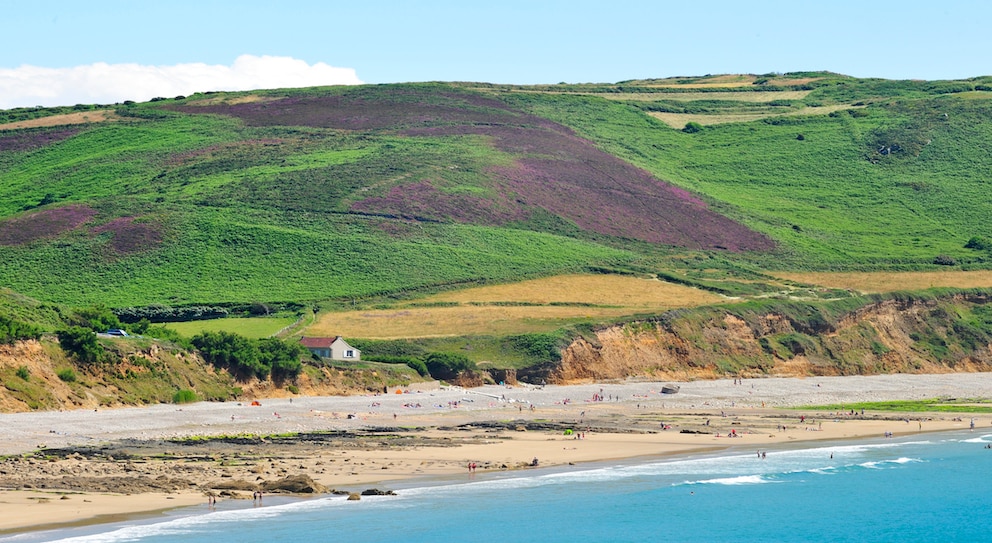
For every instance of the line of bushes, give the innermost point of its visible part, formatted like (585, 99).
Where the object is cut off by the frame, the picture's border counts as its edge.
(246, 358)
(164, 313)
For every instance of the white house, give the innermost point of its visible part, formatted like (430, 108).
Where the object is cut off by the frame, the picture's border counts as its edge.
(335, 348)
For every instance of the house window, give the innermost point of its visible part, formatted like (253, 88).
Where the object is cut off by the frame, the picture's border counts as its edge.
(349, 354)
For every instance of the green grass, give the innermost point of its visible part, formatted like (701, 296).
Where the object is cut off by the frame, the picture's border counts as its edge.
(830, 200)
(250, 327)
(265, 213)
(21, 308)
(243, 218)
(935, 405)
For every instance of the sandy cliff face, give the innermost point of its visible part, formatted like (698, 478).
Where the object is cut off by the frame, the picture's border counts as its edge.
(141, 373)
(886, 337)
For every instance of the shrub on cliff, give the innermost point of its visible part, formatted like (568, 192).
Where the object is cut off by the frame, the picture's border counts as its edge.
(12, 330)
(98, 318)
(247, 358)
(282, 357)
(81, 342)
(236, 353)
(184, 396)
(446, 366)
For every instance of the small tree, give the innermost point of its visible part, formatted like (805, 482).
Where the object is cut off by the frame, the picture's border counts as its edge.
(692, 127)
(282, 357)
(979, 243)
(81, 342)
(238, 354)
(444, 366)
(98, 318)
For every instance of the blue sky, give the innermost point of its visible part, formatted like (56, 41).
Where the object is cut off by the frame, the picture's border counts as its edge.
(63, 52)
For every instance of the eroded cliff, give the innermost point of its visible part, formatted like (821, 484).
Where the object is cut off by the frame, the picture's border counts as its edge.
(897, 335)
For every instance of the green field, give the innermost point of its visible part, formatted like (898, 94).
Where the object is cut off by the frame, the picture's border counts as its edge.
(250, 327)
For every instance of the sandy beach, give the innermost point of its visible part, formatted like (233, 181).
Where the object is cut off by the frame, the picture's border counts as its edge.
(93, 466)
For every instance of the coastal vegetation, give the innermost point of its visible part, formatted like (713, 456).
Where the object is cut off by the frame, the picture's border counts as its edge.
(493, 225)
(931, 405)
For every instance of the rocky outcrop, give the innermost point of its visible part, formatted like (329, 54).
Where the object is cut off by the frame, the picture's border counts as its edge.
(377, 492)
(295, 484)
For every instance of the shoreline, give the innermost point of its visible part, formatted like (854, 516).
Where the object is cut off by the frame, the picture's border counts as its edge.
(360, 442)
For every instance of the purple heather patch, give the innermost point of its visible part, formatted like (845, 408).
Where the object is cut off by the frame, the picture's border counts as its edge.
(571, 178)
(180, 159)
(421, 200)
(29, 139)
(555, 169)
(45, 224)
(130, 236)
(403, 109)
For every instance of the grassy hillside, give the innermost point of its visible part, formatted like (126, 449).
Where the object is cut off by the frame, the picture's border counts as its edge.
(894, 180)
(358, 192)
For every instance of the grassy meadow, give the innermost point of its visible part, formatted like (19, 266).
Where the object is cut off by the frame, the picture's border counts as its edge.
(584, 289)
(250, 327)
(869, 282)
(526, 307)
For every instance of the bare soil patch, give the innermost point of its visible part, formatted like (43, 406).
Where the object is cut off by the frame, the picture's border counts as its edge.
(679, 120)
(82, 117)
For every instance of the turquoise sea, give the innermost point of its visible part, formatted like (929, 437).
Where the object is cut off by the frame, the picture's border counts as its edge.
(929, 487)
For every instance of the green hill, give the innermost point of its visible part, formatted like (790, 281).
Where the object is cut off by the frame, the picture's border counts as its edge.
(351, 192)
(371, 197)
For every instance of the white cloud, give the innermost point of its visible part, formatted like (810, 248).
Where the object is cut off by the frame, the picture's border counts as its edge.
(103, 83)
